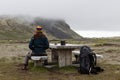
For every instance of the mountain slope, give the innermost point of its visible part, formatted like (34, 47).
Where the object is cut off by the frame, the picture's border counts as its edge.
(21, 27)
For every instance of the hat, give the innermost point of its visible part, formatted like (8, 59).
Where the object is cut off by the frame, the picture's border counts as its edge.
(39, 29)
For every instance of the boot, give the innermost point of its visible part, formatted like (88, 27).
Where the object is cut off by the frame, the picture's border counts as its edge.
(24, 67)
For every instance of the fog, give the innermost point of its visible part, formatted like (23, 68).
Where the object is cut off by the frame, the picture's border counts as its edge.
(99, 15)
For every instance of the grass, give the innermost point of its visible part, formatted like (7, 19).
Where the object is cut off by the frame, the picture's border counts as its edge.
(13, 55)
(11, 71)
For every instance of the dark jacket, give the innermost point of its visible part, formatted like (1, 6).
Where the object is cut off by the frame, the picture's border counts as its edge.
(39, 45)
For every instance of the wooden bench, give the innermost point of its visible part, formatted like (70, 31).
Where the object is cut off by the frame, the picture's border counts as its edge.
(77, 53)
(39, 60)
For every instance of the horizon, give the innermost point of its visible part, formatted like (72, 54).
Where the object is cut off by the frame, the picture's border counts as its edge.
(98, 34)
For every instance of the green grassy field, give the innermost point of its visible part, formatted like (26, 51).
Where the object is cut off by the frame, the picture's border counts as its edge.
(12, 71)
(12, 56)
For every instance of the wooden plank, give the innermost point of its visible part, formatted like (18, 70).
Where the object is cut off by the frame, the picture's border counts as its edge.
(67, 46)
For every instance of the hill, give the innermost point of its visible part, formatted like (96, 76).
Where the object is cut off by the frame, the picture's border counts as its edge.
(20, 27)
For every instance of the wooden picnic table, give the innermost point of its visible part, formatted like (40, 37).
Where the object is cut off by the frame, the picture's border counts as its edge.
(64, 53)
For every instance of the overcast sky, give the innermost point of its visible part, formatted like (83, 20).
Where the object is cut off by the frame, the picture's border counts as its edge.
(79, 14)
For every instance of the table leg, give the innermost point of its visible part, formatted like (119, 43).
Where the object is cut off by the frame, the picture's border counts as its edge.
(54, 56)
(68, 57)
(65, 57)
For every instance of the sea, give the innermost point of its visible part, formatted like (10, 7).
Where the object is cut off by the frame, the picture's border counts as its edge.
(98, 34)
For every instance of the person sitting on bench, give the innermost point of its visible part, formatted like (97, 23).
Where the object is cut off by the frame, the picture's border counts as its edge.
(38, 44)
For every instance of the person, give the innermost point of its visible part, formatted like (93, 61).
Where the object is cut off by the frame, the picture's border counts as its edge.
(38, 44)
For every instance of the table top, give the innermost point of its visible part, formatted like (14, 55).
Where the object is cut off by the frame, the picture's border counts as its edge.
(67, 46)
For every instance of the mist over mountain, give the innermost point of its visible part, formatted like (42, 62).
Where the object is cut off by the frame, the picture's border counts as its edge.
(21, 27)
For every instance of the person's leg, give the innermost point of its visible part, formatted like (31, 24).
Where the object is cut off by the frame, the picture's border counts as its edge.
(27, 58)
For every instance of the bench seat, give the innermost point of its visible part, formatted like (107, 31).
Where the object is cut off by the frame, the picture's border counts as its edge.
(39, 60)
(78, 52)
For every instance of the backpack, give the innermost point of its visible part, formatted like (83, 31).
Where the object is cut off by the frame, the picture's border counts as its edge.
(87, 60)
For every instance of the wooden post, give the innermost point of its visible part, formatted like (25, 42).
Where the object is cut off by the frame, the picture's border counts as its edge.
(54, 55)
(65, 57)
(61, 54)
(38, 63)
(68, 57)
